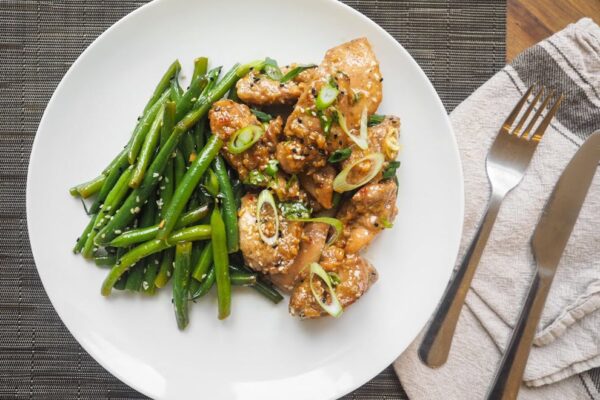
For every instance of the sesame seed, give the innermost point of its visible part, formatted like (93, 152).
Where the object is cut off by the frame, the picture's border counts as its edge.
(155, 175)
(118, 231)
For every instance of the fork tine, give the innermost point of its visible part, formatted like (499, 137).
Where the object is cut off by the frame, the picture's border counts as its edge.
(513, 114)
(527, 112)
(539, 132)
(537, 114)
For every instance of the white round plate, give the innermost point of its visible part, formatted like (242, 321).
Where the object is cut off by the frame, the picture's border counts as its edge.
(260, 352)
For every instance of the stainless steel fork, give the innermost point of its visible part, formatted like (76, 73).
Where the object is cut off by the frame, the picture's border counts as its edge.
(506, 162)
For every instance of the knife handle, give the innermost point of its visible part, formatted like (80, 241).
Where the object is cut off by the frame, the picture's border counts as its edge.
(435, 347)
(509, 374)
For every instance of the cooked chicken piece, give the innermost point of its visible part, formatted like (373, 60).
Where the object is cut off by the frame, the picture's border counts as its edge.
(311, 246)
(320, 185)
(259, 89)
(257, 254)
(227, 117)
(365, 215)
(355, 274)
(355, 70)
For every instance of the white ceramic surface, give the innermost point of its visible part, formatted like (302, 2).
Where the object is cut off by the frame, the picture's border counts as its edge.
(260, 352)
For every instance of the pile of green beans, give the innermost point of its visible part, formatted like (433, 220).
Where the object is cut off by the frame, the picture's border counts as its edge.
(165, 209)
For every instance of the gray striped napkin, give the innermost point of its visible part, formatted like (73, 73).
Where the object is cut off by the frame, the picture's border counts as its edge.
(568, 340)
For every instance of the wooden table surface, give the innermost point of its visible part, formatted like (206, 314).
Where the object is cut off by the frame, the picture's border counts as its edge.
(529, 21)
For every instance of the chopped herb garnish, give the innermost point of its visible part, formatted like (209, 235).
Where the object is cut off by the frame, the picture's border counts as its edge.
(327, 95)
(385, 223)
(256, 178)
(340, 155)
(272, 168)
(261, 115)
(375, 119)
(294, 72)
(390, 171)
(272, 69)
(325, 121)
(335, 278)
(294, 209)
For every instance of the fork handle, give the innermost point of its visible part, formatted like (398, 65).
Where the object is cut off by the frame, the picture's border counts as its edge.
(437, 340)
(509, 374)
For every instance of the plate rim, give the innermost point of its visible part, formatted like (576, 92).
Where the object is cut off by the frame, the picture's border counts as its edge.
(34, 149)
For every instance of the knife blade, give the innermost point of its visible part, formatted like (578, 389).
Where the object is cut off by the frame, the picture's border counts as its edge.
(547, 243)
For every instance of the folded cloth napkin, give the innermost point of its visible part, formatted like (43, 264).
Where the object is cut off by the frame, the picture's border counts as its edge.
(568, 338)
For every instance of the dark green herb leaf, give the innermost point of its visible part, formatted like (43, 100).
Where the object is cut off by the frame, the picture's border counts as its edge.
(272, 69)
(390, 171)
(262, 116)
(294, 72)
(340, 155)
(294, 209)
(375, 119)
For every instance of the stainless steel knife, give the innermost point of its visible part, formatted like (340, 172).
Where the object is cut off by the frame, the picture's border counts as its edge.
(548, 243)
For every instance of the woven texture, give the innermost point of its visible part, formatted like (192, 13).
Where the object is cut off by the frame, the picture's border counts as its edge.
(459, 44)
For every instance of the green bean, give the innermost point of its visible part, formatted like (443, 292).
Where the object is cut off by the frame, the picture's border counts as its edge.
(233, 96)
(168, 121)
(141, 235)
(262, 286)
(181, 281)
(152, 267)
(179, 168)
(221, 262)
(211, 183)
(191, 95)
(229, 206)
(198, 232)
(136, 274)
(176, 90)
(84, 235)
(163, 84)
(129, 209)
(166, 268)
(188, 147)
(105, 261)
(122, 153)
(147, 151)
(242, 279)
(205, 285)
(113, 200)
(199, 134)
(167, 188)
(111, 179)
(188, 184)
(89, 188)
(204, 262)
(121, 283)
(141, 129)
(200, 67)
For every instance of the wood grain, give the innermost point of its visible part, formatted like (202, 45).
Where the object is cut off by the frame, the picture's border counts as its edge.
(529, 21)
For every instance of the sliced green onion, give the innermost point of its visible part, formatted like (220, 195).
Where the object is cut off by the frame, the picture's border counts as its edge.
(361, 141)
(242, 70)
(272, 168)
(294, 72)
(340, 155)
(266, 198)
(341, 184)
(256, 178)
(272, 69)
(375, 119)
(261, 115)
(335, 278)
(390, 171)
(390, 145)
(326, 121)
(335, 307)
(326, 96)
(333, 222)
(244, 138)
(294, 209)
(386, 223)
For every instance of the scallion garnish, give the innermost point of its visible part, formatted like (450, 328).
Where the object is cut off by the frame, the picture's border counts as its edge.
(294, 209)
(375, 119)
(340, 155)
(341, 184)
(333, 222)
(272, 69)
(361, 141)
(390, 171)
(294, 72)
(256, 178)
(327, 95)
(334, 308)
(261, 115)
(385, 223)
(266, 198)
(244, 138)
(272, 168)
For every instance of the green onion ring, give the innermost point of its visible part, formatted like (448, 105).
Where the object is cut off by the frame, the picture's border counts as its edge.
(361, 141)
(244, 138)
(335, 307)
(266, 197)
(326, 96)
(341, 184)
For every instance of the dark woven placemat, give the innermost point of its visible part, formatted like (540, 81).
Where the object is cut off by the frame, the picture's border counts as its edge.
(458, 43)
